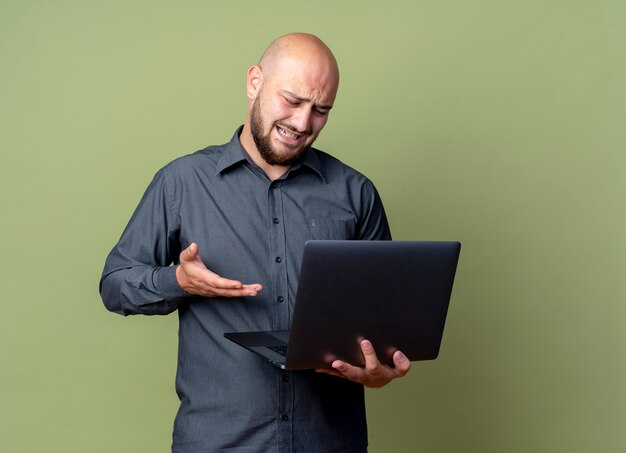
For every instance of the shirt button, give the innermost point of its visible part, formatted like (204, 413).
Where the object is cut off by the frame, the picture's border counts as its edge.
(273, 185)
(279, 259)
(280, 298)
(285, 378)
(275, 221)
(285, 417)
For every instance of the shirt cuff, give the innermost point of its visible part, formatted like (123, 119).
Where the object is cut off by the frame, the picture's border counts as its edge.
(168, 285)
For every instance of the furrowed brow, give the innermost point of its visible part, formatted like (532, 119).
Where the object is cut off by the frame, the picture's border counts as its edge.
(303, 99)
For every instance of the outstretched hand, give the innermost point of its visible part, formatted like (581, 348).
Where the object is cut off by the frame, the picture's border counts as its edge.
(194, 277)
(373, 374)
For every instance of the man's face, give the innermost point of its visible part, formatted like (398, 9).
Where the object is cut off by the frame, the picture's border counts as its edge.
(289, 112)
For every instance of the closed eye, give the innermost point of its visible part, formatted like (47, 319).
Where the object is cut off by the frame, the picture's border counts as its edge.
(321, 110)
(292, 102)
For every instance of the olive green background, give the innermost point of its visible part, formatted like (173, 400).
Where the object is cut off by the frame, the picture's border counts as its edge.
(496, 123)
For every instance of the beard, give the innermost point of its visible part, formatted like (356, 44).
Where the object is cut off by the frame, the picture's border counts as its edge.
(264, 142)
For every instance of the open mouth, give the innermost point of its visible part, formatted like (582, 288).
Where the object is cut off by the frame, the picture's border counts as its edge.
(289, 135)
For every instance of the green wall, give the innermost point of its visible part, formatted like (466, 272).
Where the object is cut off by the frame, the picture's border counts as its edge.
(496, 123)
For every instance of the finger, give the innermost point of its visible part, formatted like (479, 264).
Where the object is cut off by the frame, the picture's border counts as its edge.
(232, 292)
(402, 364)
(254, 287)
(348, 371)
(372, 364)
(190, 253)
(243, 291)
(330, 372)
(222, 283)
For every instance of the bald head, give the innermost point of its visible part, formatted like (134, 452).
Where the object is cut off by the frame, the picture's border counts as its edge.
(304, 48)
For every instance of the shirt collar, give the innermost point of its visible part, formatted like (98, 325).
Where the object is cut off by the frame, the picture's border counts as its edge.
(234, 154)
(312, 160)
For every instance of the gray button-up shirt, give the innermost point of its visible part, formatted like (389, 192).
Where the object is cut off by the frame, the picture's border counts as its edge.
(253, 230)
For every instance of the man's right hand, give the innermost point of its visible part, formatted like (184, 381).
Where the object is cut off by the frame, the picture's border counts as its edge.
(194, 277)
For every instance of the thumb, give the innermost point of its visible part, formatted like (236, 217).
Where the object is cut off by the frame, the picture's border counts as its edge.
(190, 253)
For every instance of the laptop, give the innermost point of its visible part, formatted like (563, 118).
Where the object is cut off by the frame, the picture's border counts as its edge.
(393, 293)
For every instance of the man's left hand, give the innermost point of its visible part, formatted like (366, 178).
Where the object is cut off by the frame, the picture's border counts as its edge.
(373, 374)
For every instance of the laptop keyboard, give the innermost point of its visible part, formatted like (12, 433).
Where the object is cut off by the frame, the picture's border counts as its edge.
(282, 349)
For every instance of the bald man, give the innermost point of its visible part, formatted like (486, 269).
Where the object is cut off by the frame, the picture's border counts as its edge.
(219, 236)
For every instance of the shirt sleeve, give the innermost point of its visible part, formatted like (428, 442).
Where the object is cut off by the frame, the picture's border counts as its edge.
(373, 224)
(138, 277)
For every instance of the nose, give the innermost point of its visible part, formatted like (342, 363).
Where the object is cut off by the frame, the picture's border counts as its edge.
(302, 119)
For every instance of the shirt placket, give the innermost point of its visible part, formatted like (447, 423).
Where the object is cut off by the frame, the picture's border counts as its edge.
(280, 318)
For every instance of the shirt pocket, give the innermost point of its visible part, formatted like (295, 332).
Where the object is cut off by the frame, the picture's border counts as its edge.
(323, 228)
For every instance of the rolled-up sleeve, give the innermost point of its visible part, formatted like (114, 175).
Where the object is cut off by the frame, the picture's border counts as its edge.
(138, 276)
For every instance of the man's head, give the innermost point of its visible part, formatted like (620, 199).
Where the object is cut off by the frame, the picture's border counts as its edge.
(290, 93)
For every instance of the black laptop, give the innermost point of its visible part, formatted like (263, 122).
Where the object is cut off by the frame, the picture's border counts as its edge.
(393, 293)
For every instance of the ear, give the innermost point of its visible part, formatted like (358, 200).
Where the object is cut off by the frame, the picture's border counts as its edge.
(254, 81)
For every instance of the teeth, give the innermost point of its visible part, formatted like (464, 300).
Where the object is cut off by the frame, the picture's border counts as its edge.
(287, 134)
